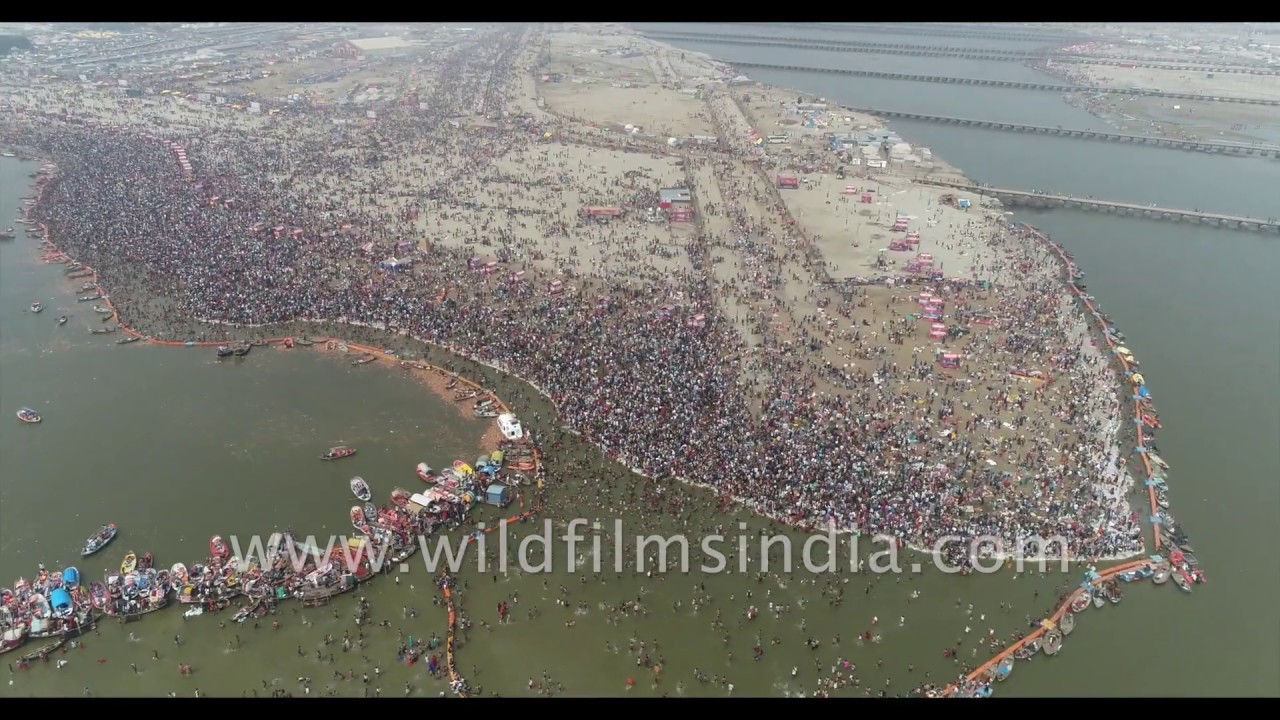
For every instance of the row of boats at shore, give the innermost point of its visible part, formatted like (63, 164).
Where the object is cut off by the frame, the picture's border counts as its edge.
(57, 606)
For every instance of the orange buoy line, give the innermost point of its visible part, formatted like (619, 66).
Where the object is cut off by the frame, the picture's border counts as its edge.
(1141, 413)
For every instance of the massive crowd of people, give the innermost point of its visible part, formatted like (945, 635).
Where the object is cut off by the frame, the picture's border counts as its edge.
(289, 227)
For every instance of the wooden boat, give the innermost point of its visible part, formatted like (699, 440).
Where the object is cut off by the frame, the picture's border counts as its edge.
(88, 298)
(241, 350)
(357, 518)
(102, 331)
(1051, 643)
(1067, 623)
(426, 474)
(1027, 650)
(465, 395)
(1099, 600)
(1161, 575)
(337, 453)
(62, 319)
(360, 488)
(400, 497)
(486, 413)
(1182, 580)
(223, 351)
(36, 307)
(364, 359)
(304, 342)
(99, 540)
(102, 310)
(29, 416)
(370, 510)
(12, 639)
(43, 651)
(218, 548)
(452, 383)
(129, 564)
(130, 339)
(146, 561)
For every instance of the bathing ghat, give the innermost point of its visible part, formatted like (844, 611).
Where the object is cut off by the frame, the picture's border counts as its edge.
(1028, 199)
(1009, 84)
(967, 53)
(1215, 146)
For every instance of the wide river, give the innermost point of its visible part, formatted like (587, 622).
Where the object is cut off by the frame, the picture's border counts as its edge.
(174, 447)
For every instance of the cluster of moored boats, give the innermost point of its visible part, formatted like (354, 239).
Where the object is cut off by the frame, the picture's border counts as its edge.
(57, 605)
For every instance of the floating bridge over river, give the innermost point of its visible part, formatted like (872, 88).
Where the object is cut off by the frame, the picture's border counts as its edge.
(1010, 84)
(954, 52)
(1207, 146)
(1024, 198)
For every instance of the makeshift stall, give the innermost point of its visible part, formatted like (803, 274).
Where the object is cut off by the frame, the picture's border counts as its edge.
(949, 361)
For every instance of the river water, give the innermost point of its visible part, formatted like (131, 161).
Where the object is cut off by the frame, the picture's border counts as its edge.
(174, 447)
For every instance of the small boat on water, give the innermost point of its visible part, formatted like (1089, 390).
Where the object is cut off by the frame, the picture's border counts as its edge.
(178, 574)
(99, 540)
(364, 359)
(88, 298)
(1067, 623)
(357, 518)
(102, 310)
(1052, 643)
(62, 319)
(242, 349)
(223, 351)
(13, 638)
(360, 488)
(218, 548)
(71, 577)
(130, 339)
(370, 510)
(129, 564)
(400, 497)
(1182, 580)
(1099, 600)
(337, 453)
(426, 474)
(29, 416)
(304, 342)
(1161, 575)
(36, 307)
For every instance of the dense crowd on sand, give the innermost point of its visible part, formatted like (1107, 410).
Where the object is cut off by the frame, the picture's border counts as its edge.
(272, 233)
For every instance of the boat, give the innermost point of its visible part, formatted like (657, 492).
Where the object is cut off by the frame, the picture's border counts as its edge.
(1182, 580)
(130, 339)
(218, 548)
(1004, 669)
(1161, 575)
(485, 413)
(242, 349)
(304, 342)
(1156, 459)
(1052, 643)
(370, 510)
(1099, 600)
(357, 518)
(510, 427)
(44, 651)
(360, 488)
(426, 474)
(1067, 623)
(88, 298)
(29, 416)
(364, 359)
(98, 596)
(146, 561)
(129, 564)
(71, 577)
(62, 319)
(339, 452)
(36, 307)
(13, 638)
(400, 497)
(223, 351)
(102, 331)
(192, 612)
(99, 540)
(1027, 650)
(465, 395)
(102, 310)
(1186, 548)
